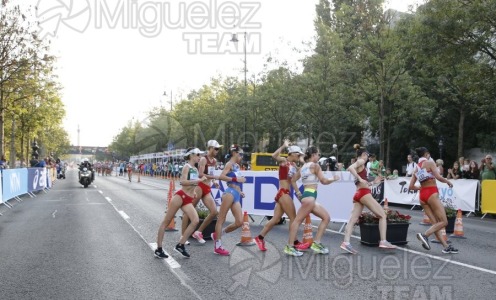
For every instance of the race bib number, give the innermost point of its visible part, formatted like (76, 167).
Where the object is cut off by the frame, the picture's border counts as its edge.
(193, 176)
(211, 171)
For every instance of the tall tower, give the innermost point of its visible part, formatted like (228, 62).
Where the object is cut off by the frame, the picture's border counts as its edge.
(79, 145)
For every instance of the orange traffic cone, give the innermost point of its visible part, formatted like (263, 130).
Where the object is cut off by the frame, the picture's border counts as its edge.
(425, 220)
(172, 224)
(443, 236)
(246, 239)
(386, 205)
(307, 231)
(458, 233)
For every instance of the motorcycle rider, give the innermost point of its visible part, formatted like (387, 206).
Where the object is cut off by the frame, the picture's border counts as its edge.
(86, 164)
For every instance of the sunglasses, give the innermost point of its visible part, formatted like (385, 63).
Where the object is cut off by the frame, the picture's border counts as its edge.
(216, 149)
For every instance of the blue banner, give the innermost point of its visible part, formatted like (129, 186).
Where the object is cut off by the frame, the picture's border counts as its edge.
(14, 183)
(37, 179)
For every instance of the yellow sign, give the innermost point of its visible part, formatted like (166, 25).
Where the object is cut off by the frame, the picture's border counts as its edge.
(488, 198)
(264, 162)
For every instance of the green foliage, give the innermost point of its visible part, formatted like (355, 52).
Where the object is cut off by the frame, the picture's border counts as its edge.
(406, 78)
(29, 92)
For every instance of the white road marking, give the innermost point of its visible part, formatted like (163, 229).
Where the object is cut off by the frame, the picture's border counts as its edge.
(447, 260)
(108, 199)
(123, 215)
(53, 215)
(174, 266)
(100, 192)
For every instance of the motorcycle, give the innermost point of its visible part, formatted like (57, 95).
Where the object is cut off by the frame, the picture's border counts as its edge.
(85, 177)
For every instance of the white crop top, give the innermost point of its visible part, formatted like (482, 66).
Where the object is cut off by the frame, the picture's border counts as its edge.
(307, 177)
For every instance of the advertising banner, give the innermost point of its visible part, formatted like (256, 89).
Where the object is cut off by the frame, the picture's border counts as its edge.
(37, 179)
(14, 183)
(488, 199)
(261, 187)
(462, 195)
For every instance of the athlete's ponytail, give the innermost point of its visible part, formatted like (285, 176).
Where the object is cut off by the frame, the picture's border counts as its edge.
(309, 152)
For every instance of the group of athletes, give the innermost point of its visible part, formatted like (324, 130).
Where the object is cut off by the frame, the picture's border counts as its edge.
(196, 183)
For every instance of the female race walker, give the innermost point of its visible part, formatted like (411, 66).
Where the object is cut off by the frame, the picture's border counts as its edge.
(311, 174)
(206, 167)
(362, 198)
(231, 199)
(426, 173)
(183, 199)
(284, 202)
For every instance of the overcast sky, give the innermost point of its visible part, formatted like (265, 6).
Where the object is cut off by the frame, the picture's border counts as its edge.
(115, 60)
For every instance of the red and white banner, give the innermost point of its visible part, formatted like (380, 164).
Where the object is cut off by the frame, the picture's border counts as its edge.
(462, 195)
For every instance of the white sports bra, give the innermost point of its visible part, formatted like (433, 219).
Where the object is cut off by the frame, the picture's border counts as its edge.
(307, 177)
(423, 174)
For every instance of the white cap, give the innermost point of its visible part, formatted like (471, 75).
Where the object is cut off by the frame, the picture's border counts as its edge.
(193, 151)
(295, 149)
(213, 143)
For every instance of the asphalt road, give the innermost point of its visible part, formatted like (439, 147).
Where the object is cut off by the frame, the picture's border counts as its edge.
(96, 243)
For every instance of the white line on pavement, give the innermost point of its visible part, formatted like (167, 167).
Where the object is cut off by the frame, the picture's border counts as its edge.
(174, 266)
(100, 192)
(123, 215)
(430, 256)
(53, 215)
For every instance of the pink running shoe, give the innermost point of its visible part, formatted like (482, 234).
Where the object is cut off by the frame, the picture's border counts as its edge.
(221, 251)
(199, 237)
(260, 244)
(386, 245)
(302, 246)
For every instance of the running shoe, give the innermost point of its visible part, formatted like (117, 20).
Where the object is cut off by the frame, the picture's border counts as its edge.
(260, 244)
(450, 250)
(424, 240)
(386, 245)
(221, 251)
(187, 243)
(181, 250)
(292, 251)
(348, 248)
(160, 254)
(301, 246)
(199, 237)
(319, 248)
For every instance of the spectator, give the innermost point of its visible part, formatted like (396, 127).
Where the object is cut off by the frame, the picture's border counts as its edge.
(341, 167)
(382, 169)
(3, 162)
(394, 175)
(454, 172)
(439, 164)
(487, 170)
(473, 171)
(373, 167)
(410, 166)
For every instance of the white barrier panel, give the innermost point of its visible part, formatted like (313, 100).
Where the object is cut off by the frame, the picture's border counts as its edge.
(261, 188)
(462, 195)
(1, 193)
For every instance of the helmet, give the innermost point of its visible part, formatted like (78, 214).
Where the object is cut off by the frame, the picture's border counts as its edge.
(85, 159)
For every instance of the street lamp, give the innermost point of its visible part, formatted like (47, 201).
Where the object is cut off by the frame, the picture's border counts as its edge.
(234, 39)
(441, 146)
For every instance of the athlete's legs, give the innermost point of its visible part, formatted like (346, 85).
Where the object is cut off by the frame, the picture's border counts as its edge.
(322, 213)
(174, 206)
(307, 205)
(355, 214)
(378, 211)
(209, 202)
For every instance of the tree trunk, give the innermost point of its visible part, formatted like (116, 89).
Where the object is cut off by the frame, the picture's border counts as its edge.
(461, 125)
(381, 127)
(2, 115)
